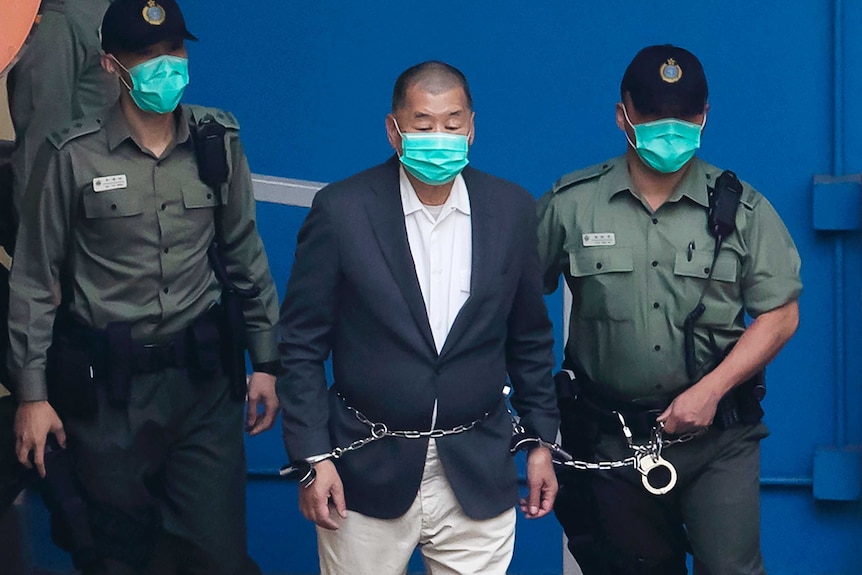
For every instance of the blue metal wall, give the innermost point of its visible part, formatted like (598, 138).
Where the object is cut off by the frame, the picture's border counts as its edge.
(311, 83)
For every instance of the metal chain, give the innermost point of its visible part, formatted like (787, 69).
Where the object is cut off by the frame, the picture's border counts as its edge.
(645, 458)
(652, 449)
(380, 430)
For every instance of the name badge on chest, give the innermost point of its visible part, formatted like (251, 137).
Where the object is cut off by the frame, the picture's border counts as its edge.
(600, 239)
(106, 183)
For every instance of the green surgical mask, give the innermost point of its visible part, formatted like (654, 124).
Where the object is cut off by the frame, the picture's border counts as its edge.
(434, 158)
(159, 83)
(665, 145)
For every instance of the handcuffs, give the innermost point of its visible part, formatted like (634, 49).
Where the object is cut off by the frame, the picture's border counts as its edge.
(646, 459)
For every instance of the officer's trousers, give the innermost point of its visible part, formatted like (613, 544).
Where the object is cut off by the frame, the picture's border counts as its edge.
(164, 477)
(714, 508)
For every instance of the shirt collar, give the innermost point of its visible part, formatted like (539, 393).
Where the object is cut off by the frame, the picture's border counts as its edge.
(118, 131)
(458, 197)
(693, 185)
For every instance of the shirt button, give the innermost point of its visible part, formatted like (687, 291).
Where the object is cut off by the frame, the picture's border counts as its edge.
(657, 347)
(599, 265)
(654, 263)
(655, 220)
(209, 196)
(169, 249)
(164, 206)
(706, 270)
(113, 206)
(166, 290)
(655, 305)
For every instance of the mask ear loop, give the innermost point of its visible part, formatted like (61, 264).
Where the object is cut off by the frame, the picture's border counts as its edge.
(123, 80)
(397, 127)
(626, 114)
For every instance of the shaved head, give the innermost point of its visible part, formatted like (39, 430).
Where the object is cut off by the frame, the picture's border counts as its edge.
(432, 77)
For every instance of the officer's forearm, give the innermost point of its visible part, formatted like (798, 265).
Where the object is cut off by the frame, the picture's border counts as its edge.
(759, 344)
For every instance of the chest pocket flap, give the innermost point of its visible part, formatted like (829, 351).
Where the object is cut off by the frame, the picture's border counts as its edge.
(111, 204)
(699, 266)
(196, 194)
(600, 260)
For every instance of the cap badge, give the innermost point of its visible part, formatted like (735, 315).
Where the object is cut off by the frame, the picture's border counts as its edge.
(153, 13)
(670, 71)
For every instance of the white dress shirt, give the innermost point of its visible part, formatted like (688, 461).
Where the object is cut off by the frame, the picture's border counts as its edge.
(442, 250)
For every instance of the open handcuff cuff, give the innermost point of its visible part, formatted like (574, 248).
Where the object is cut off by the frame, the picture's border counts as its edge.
(646, 459)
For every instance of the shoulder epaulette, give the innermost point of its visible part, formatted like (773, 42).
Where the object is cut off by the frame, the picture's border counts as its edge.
(750, 197)
(74, 130)
(582, 175)
(223, 117)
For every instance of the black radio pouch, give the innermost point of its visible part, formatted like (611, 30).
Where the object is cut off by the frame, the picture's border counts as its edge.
(720, 223)
(723, 204)
(210, 152)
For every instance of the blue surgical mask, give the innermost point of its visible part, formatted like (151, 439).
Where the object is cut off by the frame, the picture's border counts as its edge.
(665, 145)
(434, 158)
(158, 84)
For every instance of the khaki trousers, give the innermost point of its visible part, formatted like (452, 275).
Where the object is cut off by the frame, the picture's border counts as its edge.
(450, 542)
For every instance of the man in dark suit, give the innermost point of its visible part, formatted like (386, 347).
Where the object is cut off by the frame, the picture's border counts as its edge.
(420, 277)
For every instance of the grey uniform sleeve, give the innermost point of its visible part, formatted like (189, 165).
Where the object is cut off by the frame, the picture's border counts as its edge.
(246, 258)
(771, 268)
(41, 91)
(40, 251)
(552, 238)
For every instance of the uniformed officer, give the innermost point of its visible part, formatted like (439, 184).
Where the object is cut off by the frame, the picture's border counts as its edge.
(118, 215)
(58, 79)
(650, 257)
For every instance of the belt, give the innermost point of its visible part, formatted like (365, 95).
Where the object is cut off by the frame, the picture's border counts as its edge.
(177, 351)
(740, 405)
(641, 420)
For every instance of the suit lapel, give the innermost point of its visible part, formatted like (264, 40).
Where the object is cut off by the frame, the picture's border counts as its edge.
(387, 220)
(484, 239)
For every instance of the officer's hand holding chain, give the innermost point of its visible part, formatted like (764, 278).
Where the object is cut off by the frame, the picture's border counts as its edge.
(645, 459)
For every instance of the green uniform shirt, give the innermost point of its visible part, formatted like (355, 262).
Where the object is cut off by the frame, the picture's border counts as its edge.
(58, 79)
(133, 231)
(636, 274)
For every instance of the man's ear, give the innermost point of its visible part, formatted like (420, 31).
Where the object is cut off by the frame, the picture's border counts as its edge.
(109, 64)
(621, 117)
(392, 133)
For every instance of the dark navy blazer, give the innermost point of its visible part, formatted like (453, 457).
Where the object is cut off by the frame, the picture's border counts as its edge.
(353, 293)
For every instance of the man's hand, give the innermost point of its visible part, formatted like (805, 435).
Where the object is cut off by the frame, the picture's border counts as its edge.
(323, 501)
(34, 420)
(692, 410)
(261, 394)
(542, 483)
